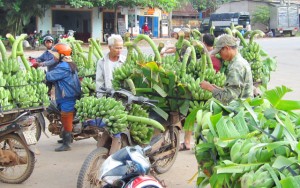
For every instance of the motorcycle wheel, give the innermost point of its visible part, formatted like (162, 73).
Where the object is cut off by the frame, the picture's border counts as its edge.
(19, 170)
(163, 165)
(88, 175)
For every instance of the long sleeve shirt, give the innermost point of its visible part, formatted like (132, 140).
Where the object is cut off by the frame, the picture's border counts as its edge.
(105, 69)
(48, 60)
(239, 83)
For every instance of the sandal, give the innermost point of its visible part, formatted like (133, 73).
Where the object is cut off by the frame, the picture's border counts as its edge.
(183, 147)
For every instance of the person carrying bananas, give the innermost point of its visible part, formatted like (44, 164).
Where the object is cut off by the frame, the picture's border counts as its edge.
(239, 82)
(67, 89)
(104, 75)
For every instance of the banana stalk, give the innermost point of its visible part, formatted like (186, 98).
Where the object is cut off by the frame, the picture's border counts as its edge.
(147, 121)
(152, 44)
(3, 51)
(97, 46)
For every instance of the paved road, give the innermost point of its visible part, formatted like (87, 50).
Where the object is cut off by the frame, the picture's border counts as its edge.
(60, 170)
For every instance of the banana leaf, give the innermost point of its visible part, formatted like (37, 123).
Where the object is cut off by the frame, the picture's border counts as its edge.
(291, 181)
(281, 162)
(275, 97)
(229, 167)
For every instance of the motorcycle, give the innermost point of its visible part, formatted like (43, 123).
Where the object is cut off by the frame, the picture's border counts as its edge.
(17, 152)
(129, 168)
(80, 130)
(161, 157)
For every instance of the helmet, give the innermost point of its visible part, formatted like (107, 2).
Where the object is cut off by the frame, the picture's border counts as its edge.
(143, 181)
(47, 38)
(63, 49)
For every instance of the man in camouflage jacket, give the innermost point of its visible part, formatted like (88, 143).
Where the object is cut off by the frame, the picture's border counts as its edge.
(239, 82)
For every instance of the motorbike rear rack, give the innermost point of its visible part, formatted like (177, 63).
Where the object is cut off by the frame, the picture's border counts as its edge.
(20, 110)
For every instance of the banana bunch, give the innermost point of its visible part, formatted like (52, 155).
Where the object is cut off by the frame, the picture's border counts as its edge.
(195, 69)
(194, 87)
(9, 66)
(35, 75)
(196, 105)
(86, 72)
(112, 112)
(122, 73)
(2, 80)
(88, 86)
(212, 77)
(170, 64)
(4, 99)
(259, 178)
(251, 52)
(140, 133)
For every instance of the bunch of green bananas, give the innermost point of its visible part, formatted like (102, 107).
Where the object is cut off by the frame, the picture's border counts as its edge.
(170, 64)
(195, 69)
(194, 87)
(86, 72)
(35, 75)
(259, 178)
(122, 73)
(140, 133)
(9, 66)
(252, 54)
(4, 99)
(218, 78)
(88, 86)
(196, 105)
(112, 112)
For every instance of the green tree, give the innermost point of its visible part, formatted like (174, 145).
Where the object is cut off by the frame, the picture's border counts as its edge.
(261, 15)
(17, 13)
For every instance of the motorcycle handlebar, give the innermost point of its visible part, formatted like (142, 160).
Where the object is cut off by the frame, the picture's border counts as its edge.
(131, 97)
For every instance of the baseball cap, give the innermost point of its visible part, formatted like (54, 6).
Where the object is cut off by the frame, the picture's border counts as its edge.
(224, 40)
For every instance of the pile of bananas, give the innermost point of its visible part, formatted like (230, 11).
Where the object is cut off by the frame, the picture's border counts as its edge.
(88, 86)
(140, 133)
(112, 112)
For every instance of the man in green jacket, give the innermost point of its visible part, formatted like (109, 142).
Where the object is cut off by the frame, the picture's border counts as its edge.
(239, 82)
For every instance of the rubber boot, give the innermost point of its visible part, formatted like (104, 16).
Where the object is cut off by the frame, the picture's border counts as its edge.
(67, 122)
(116, 145)
(66, 142)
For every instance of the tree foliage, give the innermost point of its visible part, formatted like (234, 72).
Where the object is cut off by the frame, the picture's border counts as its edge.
(202, 5)
(17, 13)
(261, 15)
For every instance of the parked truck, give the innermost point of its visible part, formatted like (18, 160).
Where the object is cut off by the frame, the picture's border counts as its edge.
(222, 20)
(284, 19)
